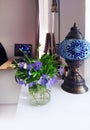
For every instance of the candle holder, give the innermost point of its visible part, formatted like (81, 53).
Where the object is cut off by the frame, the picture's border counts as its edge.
(74, 49)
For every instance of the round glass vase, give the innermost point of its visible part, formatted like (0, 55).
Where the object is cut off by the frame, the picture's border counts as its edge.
(39, 95)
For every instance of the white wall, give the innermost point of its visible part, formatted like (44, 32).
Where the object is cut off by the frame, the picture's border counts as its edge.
(87, 36)
(87, 19)
(43, 19)
(17, 23)
(9, 89)
(70, 11)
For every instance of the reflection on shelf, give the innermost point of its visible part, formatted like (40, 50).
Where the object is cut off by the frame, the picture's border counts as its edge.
(7, 65)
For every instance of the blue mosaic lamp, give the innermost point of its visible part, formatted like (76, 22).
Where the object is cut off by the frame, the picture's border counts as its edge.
(74, 49)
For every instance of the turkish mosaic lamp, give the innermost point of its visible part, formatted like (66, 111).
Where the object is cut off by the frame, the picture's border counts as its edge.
(74, 49)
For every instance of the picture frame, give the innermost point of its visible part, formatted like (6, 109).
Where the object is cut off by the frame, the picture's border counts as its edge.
(25, 47)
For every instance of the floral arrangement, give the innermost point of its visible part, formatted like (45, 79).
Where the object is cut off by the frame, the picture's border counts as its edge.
(38, 74)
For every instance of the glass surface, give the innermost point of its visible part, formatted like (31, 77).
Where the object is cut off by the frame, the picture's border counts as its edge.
(39, 97)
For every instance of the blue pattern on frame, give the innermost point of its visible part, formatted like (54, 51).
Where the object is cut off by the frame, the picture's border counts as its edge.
(74, 49)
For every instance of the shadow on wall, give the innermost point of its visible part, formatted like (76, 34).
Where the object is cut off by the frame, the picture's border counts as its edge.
(3, 55)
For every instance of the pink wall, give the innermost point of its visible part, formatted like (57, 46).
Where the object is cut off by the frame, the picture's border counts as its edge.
(17, 23)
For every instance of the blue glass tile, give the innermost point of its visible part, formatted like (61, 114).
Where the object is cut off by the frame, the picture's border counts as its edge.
(74, 49)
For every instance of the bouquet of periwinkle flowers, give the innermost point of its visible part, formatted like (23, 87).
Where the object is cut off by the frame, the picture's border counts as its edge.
(38, 74)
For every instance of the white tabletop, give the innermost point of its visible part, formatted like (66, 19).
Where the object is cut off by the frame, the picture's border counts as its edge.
(64, 111)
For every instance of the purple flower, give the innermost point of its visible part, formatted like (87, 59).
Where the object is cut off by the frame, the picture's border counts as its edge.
(31, 84)
(21, 64)
(37, 65)
(61, 70)
(54, 79)
(51, 82)
(43, 80)
(29, 74)
(20, 81)
(44, 76)
(29, 66)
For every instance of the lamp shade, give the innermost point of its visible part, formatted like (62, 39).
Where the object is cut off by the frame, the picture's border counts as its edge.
(74, 47)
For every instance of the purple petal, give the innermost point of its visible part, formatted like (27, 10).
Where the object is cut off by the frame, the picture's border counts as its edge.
(21, 64)
(29, 66)
(51, 82)
(20, 81)
(61, 70)
(31, 84)
(43, 80)
(37, 65)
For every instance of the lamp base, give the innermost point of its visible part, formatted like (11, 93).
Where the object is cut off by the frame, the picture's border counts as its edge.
(74, 83)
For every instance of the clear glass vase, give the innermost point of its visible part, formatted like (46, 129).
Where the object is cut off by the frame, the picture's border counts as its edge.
(39, 96)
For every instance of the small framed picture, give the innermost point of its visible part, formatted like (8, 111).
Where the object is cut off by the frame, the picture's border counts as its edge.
(26, 48)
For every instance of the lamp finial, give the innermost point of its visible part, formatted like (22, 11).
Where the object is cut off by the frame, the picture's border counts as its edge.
(74, 33)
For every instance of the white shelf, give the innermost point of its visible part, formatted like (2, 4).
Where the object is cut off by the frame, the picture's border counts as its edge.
(64, 110)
